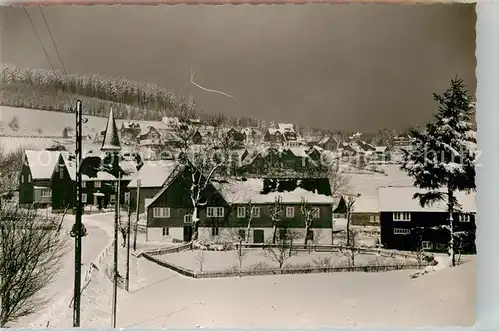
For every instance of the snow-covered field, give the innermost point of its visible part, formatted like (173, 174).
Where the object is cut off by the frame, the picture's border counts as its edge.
(54, 122)
(161, 298)
(220, 260)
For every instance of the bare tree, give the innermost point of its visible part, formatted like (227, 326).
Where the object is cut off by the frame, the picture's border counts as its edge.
(241, 253)
(339, 182)
(309, 214)
(31, 248)
(203, 163)
(10, 165)
(200, 258)
(349, 248)
(249, 212)
(279, 252)
(351, 200)
(276, 214)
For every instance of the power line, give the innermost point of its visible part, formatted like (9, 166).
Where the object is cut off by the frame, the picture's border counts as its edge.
(39, 40)
(53, 40)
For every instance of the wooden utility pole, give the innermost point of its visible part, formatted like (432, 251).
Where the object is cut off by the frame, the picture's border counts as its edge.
(127, 276)
(137, 213)
(115, 250)
(78, 226)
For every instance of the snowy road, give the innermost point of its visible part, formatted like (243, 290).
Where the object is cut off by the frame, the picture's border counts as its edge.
(60, 291)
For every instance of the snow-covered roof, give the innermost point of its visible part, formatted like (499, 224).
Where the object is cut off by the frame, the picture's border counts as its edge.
(298, 152)
(128, 166)
(380, 148)
(70, 163)
(285, 127)
(401, 199)
(42, 163)
(153, 173)
(240, 192)
(366, 204)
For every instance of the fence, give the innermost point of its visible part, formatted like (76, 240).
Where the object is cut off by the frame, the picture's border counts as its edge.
(330, 247)
(236, 273)
(169, 250)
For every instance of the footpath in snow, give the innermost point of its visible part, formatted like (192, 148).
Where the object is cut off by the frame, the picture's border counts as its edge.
(60, 291)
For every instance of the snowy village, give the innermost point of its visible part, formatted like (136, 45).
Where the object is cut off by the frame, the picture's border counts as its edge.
(124, 205)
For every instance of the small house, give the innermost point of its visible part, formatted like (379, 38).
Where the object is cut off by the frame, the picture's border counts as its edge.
(229, 204)
(149, 136)
(35, 177)
(406, 225)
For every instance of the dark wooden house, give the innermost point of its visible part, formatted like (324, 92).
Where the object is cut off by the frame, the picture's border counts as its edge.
(405, 225)
(226, 208)
(149, 136)
(35, 177)
(328, 143)
(98, 186)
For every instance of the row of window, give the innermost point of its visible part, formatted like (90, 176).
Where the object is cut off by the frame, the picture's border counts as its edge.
(241, 212)
(406, 216)
(97, 184)
(165, 231)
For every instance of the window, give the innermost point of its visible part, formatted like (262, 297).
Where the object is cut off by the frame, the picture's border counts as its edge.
(187, 218)
(29, 178)
(61, 172)
(127, 197)
(84, 184)
(290, 211)
(426, 245)
(215, 231)
(310, 235)
(22, 178)
(164, 231)
(401, 216)
(112, 198)
(374, 218)
(241, 212)
(97, 184)
(339, 215)
(256, 212)
(401, 231)
(242, 234)
(46, 193)
(215, 212)
(315, 212)
(84, 198)
(161, 212)
(464, 218)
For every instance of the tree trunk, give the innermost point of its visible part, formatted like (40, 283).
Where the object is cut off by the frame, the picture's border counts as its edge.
(194, 226)
(451, 249)
(248, 232)
(274, 234)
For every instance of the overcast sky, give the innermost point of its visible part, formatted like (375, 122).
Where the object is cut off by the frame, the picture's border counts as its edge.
(351, 67)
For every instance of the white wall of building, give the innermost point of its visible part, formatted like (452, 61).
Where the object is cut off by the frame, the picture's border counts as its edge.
(321, 235)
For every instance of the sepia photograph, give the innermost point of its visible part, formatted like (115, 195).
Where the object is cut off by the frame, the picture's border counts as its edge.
(293, 166)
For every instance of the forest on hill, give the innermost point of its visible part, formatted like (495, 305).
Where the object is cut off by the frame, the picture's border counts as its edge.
(55, 91)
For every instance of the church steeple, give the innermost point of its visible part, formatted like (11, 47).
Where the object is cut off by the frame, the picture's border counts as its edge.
(111, 142)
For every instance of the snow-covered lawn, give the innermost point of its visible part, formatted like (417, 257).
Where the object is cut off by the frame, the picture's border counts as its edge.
(224, 260)
(161, 298)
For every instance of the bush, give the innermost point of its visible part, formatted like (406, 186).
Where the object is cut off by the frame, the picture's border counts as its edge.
(260, 266)
(322, 262)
